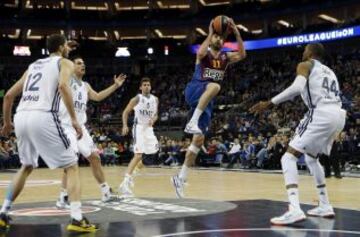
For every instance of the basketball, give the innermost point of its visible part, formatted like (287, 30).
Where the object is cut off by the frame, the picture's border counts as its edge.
(221, 24)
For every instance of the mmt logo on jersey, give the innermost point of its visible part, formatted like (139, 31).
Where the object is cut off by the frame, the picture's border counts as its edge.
(146, 112)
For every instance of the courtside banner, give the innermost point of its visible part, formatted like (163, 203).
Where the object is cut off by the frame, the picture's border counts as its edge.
(292, 40)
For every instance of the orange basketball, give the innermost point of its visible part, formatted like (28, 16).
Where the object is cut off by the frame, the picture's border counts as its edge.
(221, 24)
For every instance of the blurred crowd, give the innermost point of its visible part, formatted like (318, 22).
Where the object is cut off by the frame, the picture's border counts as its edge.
(236, 138)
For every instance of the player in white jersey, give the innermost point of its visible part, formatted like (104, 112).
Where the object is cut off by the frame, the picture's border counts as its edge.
(145, 106)
(319, 88)
(82, 92)
(38, 128)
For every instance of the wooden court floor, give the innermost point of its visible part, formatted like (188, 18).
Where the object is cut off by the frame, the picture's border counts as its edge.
(203, 184)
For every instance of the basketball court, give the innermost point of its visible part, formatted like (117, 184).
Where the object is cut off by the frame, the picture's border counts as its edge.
(188, 87)
(217, 203)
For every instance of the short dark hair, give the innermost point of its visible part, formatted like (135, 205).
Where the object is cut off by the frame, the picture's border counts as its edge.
(145, 79)
(54, 41)
(76, 57)
(317, 50)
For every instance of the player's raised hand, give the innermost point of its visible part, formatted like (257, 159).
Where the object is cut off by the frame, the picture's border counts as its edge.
(260, 107)
(77, 128)
(6, 129)
(211, 27)
(119, 80)
(125, 130)
(233, 27)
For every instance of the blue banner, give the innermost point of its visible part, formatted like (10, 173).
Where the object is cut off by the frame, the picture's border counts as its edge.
(292, 40)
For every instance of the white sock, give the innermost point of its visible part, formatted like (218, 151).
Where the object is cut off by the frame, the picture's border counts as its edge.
(323, 195)
(319, 176)
(6, 206)
(105, 188)
(196, 115)
(293, 195)
(183, 172)
(291, 176)
(75, 211)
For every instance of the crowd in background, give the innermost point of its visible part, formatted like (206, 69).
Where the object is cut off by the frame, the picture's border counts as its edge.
(236, 138)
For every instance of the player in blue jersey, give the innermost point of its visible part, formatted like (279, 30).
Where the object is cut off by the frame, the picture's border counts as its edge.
(209, 72)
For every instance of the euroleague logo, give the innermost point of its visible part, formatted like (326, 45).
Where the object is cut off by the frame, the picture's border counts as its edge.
(31, 183)
(50, 211)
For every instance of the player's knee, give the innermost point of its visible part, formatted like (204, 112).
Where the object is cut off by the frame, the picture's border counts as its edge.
(194, 149)
(198, 141)
(28, 168)
(94, 158)
(294, 152)
(72, 168)
(309, 160)
(288, 157)
(213, 87)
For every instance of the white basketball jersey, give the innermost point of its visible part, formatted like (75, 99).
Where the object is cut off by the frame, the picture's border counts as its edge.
(145, 109)
(40, 90)
(79, 91)
(322, 87)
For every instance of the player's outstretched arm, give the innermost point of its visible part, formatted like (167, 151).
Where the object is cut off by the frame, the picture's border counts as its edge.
(302, 71)
(99, 96)
(201, 53)
(125, 115)
(241, 53)
(66, 71)
(8, 102)
(296, 87)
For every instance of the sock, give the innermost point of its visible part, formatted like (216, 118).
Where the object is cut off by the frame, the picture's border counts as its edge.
(63, 194)
(128, 176)
(196, 115)
(323, 195)
(291, 176)
(319, 177)
(105, 188)
(75, 211)
(293, 195)
(6, 206)
(183, 172)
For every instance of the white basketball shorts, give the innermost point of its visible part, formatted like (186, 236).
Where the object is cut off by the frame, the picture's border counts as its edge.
(317, 131)
(145, 141)
(86, 145)
(41, 133)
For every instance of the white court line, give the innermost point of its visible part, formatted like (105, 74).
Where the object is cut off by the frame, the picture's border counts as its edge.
(180, 202)
(154, 174)
(258, 230)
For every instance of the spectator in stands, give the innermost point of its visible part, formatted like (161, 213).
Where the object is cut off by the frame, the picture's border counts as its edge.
(220, 152)
(234, 153)
(173, 153)
(109, 155)
(247, 154)
(335, 157)
(211, 149)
